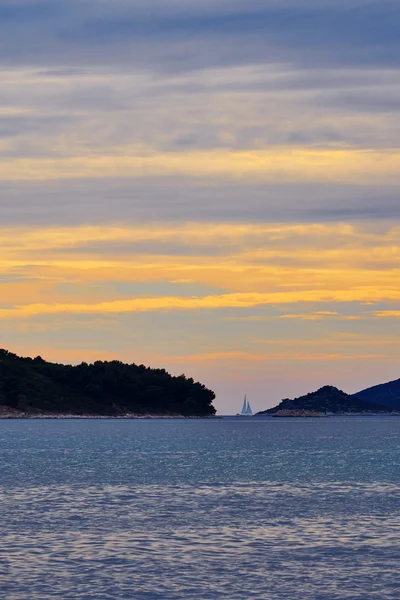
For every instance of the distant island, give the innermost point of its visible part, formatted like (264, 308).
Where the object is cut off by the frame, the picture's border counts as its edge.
(386, 394)
(331, 400)
(33, 387)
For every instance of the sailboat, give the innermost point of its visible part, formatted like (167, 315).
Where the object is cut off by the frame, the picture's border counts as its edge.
(246, 409)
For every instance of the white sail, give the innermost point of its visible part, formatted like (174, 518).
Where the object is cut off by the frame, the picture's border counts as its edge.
(246, 408)
(249, 412)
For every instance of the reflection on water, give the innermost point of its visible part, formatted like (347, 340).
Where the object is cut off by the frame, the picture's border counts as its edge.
(118, 529)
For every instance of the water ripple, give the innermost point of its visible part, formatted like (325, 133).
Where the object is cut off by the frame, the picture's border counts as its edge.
(119, 530)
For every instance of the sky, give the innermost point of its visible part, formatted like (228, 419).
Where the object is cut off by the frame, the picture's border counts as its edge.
(208, 187)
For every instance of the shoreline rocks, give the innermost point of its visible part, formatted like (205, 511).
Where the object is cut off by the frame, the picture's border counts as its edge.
(298, 413)
(13, 414)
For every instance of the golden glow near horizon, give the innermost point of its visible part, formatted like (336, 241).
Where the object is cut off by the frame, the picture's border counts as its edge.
(338, 275)
(227, 302)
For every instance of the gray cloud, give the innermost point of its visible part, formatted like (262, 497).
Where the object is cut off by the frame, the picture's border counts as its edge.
(14, 125)
(237, 108)
(173, 35)
(173, 199)
(92, 77)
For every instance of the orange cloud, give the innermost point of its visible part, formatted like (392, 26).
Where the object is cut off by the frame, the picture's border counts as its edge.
(387, 314)
(235, 300)
(283, 164)
(297, 263)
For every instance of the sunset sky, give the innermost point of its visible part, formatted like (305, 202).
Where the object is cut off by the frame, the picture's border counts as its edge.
(210, 187)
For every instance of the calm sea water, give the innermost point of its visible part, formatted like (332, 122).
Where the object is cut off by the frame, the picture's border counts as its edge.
(235, 509)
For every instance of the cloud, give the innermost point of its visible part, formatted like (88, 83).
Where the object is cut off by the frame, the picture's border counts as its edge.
(72, 271)
(286, 165)
(215, 302)
(387, 314)
(173, 35)
(252, 81)
(15, 125)
(311, 316)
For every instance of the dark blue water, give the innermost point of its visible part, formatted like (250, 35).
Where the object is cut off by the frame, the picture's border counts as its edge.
(236, 509)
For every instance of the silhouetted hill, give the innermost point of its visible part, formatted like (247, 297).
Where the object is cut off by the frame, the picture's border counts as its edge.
(103, 388)
(387, 394)
(327, 399)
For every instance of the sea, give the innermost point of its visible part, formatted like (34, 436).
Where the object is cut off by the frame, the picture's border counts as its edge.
(233, 508)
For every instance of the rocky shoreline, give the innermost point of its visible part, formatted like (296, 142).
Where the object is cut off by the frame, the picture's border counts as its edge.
(298, 413)
(8, 413)
(310, 413)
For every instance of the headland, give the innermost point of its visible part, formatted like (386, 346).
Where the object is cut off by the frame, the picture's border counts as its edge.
(35, 388)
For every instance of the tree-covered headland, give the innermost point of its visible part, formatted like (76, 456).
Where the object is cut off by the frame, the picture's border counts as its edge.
(113, 388)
